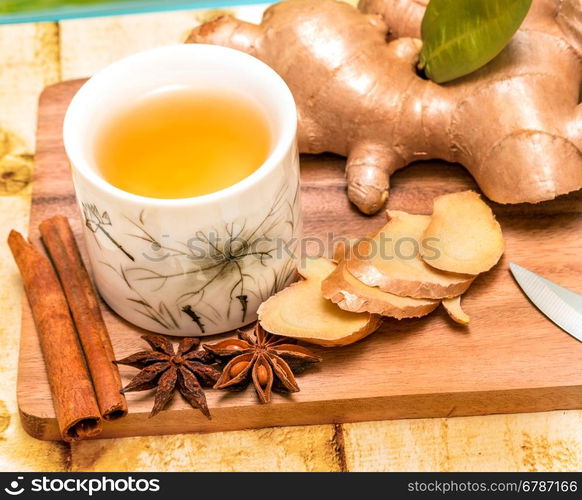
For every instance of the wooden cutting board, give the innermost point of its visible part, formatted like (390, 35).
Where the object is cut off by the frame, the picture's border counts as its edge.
(510, 359)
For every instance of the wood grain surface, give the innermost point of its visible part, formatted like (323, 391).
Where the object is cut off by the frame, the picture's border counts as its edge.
(511, 359)
(34, 55)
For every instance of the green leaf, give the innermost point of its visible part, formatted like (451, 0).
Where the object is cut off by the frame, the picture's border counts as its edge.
(460, 36)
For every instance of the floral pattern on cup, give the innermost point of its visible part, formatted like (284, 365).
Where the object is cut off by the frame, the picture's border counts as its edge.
(217, 258)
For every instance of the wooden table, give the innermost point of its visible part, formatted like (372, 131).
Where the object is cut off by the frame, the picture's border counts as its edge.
(35, 55)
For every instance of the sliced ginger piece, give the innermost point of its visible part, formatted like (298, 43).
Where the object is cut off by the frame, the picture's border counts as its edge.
(455, 311)
(300, 311)
(464, 235)
(350, 294)
(391, 261)
(344, 247)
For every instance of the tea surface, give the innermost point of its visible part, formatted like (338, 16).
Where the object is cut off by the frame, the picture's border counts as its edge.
(178, 143)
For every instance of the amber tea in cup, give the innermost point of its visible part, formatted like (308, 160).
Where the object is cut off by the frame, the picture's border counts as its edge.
(182, 142)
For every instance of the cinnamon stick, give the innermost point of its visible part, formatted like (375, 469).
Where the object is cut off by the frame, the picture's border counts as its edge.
(84, 305)
(71, 388)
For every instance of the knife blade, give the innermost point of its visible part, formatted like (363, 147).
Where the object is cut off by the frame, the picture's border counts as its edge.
(559, 304)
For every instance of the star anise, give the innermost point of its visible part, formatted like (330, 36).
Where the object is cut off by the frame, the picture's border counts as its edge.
(167, 370)
(270, 361)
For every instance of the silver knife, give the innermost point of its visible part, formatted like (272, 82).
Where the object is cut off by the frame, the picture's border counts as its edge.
(561, 305)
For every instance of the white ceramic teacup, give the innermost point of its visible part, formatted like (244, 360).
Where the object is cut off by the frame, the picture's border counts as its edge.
(192, 266)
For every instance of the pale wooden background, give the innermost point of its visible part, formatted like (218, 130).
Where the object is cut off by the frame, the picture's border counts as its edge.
(35, 55)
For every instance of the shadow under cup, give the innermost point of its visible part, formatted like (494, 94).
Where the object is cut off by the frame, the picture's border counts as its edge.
(189, 266)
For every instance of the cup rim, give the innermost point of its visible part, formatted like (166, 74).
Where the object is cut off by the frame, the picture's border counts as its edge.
(284, 142)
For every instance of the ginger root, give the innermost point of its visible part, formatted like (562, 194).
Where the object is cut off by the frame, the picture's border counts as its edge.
(350, 294)
(386, 274)
(455, 311)
(515, 124)
(300, 311)
(463, 234)
(391, 261)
